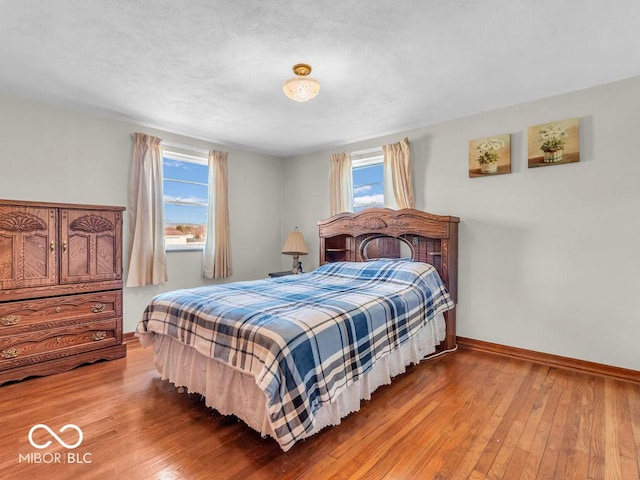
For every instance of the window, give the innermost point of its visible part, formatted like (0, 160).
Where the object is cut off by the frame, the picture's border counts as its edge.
(368, 187)
(186, 194)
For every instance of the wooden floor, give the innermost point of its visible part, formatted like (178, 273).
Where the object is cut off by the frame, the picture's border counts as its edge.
(466, 415)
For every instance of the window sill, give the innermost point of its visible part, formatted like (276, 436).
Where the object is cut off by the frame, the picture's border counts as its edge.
(183, 248)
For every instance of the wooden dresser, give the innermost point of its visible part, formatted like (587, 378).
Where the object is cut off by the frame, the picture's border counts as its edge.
(60, 287)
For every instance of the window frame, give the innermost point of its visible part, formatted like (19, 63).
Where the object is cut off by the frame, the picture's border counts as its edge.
(199, 158)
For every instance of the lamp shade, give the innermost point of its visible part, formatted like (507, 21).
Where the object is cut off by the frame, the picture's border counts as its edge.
(301, 87)
(294, 245)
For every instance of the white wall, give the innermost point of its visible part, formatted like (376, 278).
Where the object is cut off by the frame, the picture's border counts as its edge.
(57, 155)
(548, 257)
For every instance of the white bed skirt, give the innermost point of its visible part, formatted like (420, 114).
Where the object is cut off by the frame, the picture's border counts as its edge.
(233, 392)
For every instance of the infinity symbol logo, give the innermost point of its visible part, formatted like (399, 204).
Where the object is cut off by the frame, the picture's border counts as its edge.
(52, 433)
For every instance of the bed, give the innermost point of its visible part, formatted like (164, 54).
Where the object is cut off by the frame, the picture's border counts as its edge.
(291, 355)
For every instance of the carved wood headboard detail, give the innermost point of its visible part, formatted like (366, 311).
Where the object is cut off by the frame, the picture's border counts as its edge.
(432, 239)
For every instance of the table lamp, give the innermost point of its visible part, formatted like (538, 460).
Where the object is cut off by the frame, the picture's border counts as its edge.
(294, 245)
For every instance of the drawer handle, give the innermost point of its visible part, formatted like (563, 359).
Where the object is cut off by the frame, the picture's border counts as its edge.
(10, 320)
(58, 309)
(99, 336)
(97, 308)
(10, 353)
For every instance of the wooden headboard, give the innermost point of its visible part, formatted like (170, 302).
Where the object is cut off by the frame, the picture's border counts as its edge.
(379, 232)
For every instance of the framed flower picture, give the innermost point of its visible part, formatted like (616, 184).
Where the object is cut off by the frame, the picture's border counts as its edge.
(554, 143)
(490, 155)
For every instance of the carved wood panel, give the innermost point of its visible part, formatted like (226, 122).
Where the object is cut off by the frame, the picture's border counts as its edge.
(28, 243)
(7, 249)
(91, 242)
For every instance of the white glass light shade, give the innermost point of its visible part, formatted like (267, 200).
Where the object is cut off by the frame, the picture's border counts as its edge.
(301, 88)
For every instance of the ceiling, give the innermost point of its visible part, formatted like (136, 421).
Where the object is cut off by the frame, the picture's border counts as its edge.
(214, 69)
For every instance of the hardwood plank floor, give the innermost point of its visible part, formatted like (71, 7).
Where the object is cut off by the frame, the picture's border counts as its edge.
(468, 415)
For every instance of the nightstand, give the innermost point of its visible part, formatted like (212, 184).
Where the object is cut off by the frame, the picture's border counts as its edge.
(281, 274)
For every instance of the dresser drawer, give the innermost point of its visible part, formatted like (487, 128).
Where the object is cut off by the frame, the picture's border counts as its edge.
(30, 315)
(37, 346)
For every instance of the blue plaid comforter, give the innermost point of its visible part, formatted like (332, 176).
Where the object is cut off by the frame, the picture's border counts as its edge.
(304, 338)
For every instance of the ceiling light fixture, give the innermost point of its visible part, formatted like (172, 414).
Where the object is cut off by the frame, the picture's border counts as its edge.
(301, 87)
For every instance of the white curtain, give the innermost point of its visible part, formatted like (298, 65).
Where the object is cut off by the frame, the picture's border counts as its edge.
(398, 181)
(216, 260)
(340, 184)
(147, 258)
